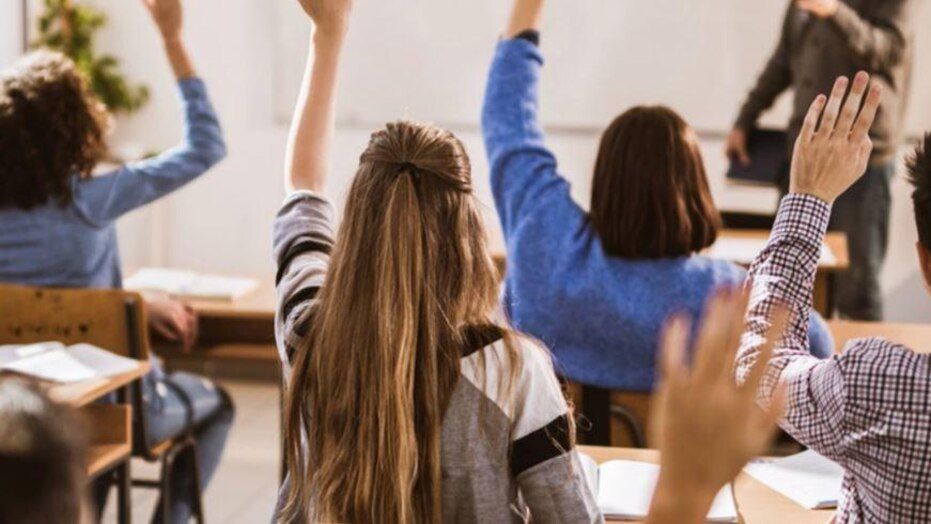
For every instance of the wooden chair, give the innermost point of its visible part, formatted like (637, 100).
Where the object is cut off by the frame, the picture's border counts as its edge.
(114, 320)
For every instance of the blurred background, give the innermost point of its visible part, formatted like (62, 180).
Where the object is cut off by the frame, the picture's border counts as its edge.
(426, 60)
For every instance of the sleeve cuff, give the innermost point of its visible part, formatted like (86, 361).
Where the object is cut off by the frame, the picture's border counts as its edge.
(802, 216)
(530, 35)
(519, 49)
(191, 88)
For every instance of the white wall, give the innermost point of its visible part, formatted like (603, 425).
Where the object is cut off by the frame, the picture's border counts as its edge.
(10, 31)
(223, 221)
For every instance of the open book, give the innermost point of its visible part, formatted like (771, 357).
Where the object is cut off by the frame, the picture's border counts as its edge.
(623, 490)
(810, 479)
(188, 284)
(54, 362)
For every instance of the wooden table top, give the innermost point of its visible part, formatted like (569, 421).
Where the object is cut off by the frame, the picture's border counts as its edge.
(258, 304)
(82, 393)
(835, 241)
(916, 337)
(756, 503)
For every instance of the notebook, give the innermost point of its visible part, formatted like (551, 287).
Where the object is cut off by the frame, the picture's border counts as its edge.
(810, 479)
(768, 152)
(623, 490)
(188, 284)
(52, 361)
(745, 250)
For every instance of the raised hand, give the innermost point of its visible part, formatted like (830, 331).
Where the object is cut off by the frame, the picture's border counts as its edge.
(830, 158)
(168, 16)
(706, 426)
(328, 14)
(819, 8)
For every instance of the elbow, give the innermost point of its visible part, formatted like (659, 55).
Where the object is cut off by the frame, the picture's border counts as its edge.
(211, 152)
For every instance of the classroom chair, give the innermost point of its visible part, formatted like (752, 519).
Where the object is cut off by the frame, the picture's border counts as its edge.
(113, 320)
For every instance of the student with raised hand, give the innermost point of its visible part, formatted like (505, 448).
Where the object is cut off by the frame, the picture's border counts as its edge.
(597, 286)
(42, 459)
(57, 220)
(868, 409)
(407, 400)
(707, 427)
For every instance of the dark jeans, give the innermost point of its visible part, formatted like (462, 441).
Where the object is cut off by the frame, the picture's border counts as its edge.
(863, 214)
(175, 402)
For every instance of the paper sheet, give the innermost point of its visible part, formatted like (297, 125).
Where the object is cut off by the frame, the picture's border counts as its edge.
(189, 284)
(625, 490)
(53, 362)
(810, 479)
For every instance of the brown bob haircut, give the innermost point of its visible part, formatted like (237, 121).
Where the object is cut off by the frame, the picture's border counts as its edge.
(650, 195)
(52, 128)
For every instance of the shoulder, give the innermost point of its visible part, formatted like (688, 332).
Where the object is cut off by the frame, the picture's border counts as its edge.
(886, 375)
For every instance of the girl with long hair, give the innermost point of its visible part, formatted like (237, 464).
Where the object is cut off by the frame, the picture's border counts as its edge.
(408, 399)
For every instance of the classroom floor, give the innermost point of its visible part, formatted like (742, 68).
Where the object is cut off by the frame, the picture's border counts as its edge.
(245, 487)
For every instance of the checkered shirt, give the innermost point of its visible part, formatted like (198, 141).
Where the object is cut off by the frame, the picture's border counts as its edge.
(869, 408)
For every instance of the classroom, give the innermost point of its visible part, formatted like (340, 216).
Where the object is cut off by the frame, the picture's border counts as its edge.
(490, 261)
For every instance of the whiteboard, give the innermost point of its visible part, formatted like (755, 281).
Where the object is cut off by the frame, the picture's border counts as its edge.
(428, 59)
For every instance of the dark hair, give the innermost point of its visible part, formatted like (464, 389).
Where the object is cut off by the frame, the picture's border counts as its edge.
(919, 175)
(650, 196)
(51, 128)
(42, 457)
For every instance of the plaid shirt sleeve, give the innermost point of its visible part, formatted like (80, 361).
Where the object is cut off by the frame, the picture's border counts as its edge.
(784, 273)
(869, 408)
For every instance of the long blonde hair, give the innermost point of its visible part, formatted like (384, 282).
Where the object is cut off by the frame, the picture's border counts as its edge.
(409, 271)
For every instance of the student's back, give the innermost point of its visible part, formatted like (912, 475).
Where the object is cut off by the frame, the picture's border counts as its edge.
(596, 286)
(57, 221)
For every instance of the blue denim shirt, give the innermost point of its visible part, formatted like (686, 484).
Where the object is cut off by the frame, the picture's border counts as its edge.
(599, 314)
(75, 245)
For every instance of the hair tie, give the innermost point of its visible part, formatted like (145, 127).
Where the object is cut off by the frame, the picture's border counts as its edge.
(410, 167)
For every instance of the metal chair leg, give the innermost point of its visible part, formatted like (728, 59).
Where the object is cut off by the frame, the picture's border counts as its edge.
(123, 479)
(197, 494)
(165, 485)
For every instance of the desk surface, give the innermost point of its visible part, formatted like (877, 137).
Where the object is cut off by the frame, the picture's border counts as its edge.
(756, 503)
(917, 337)
(836, 242)
(82, 393)
(258, 304)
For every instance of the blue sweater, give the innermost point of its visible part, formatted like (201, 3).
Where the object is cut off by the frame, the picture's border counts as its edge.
(600, 315)
(75, 245)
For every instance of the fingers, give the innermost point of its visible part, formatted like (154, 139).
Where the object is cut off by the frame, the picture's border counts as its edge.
(713, 352)
(165, 331)
(777, 326)
(852, 105)
(672, 354)
(861, 128)
(811, 119)
(832, 110)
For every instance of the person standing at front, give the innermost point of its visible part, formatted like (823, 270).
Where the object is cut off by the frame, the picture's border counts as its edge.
(822, 40)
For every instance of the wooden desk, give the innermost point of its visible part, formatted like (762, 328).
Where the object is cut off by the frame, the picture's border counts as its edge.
(756, 503)
(237, 330)
(80, 394)
(109, 426)
(917, 337)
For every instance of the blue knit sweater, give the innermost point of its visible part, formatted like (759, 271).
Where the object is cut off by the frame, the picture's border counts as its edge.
(600, 315)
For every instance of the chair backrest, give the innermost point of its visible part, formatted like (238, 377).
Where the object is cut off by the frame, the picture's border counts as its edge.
(110, 319)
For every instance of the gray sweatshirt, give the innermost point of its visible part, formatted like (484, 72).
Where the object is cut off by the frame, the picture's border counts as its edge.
(503, 460)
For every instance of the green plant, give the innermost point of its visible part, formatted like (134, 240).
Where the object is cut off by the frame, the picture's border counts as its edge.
(70, 29)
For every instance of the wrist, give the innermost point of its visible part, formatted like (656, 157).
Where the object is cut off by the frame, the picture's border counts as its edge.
(820, 195)
(680, 501)
(331, 31)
